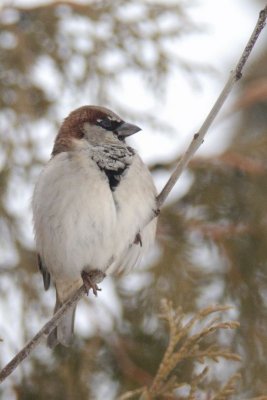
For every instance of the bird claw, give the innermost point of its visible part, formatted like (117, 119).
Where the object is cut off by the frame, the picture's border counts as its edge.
(156, 212)
(91, 280)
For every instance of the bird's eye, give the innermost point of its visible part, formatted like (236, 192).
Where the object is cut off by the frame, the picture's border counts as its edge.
(105, 123)
(108, 124)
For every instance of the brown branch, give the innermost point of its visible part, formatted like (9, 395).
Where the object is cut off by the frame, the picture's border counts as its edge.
(197, 140)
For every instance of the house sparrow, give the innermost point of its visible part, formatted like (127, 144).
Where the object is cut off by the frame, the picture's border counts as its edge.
(90, 206)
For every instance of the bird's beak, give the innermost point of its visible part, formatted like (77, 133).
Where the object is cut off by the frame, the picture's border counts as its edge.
(127, 129)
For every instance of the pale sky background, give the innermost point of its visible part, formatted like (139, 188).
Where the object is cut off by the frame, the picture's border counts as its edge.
(229, 24)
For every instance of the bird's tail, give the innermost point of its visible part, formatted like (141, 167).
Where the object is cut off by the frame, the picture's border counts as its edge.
(63, 332)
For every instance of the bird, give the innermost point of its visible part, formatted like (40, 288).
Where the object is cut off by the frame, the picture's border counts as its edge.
(94, 207)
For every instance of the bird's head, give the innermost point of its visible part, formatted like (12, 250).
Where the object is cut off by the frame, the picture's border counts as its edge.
(96, 125)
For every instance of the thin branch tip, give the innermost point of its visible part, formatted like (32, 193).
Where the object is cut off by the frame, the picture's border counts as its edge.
(198, 138)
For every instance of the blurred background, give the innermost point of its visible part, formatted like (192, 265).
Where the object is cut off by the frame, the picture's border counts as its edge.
(160, 64)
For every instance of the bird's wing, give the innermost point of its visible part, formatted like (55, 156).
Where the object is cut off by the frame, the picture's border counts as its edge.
(44, 272)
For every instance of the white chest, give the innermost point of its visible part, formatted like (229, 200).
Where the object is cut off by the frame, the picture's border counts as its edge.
(79, 222)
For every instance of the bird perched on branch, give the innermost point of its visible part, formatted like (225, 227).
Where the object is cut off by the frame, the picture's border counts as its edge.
(91, 207)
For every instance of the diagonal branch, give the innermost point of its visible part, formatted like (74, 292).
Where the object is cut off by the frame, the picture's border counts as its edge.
(196, 142)
(198, 138)
(44, 331)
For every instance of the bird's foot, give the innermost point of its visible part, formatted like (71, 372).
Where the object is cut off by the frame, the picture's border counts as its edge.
(156, 212)
(91, 280)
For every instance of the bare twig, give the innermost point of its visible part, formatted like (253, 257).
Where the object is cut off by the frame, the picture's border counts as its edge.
(45, 330)
(197, 140)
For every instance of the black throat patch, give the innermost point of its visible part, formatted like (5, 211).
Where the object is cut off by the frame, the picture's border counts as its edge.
(113, 161)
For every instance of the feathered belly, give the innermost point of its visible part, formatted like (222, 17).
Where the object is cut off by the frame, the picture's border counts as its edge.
(82, 224)
(75, 224)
